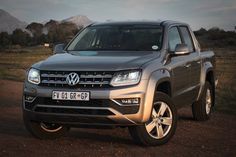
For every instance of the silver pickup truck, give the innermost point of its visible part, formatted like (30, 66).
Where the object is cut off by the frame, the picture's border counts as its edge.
(121, 74)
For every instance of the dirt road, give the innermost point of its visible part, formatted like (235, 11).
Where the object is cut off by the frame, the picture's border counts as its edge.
(216, 137)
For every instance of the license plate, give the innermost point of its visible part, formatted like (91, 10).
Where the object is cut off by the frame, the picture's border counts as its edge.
(61, 95)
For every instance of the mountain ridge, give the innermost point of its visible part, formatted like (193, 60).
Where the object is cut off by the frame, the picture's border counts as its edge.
(79, 20)
(9, 23)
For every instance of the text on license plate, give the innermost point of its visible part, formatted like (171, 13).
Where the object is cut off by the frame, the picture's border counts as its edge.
(60, 95)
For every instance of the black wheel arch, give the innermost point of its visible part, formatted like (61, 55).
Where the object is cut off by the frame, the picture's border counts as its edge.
(164, 86)
(210, 77)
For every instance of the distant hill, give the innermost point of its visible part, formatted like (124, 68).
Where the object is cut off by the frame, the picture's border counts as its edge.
(9, 23)
(79, 20)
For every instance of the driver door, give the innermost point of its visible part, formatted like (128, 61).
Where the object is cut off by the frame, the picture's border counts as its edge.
(180, 70)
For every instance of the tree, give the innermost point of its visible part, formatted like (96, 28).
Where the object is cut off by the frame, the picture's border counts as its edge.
(200, 32)
(60, 32)
(20, 37)
(5, 39)
(35, 28)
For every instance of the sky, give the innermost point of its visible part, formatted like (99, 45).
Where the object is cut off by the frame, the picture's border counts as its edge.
(197, 13)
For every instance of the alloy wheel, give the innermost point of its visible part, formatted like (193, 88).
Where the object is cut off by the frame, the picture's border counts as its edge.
(208, 101)
(160, 122)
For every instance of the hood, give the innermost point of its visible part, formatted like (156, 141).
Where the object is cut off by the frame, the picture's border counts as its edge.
(93, 60)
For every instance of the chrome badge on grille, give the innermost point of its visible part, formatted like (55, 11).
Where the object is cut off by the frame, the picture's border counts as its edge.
(72, 79)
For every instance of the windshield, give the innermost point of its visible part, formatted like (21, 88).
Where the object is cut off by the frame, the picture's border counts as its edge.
(118, 38)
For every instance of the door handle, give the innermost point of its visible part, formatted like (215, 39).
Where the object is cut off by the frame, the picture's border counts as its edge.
(187, 65)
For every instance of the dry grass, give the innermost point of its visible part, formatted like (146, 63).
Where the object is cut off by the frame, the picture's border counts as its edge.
(226, 74)
(14, 63)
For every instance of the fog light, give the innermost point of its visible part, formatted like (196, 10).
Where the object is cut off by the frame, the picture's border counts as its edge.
(128, 101)
(29, 98)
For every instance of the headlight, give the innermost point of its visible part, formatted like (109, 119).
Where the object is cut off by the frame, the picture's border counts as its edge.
(34, 76)
(126, 78)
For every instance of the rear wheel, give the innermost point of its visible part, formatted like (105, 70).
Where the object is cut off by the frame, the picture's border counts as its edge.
(161, 125)
(43, 130)
(203, 107)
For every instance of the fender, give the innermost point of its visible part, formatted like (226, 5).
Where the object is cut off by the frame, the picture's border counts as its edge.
(206, 67)
(157, 77)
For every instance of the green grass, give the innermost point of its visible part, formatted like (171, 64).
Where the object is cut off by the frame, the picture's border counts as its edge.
(13, 64)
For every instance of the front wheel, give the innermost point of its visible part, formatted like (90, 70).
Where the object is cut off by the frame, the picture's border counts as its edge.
(161, 125)
(43, 130)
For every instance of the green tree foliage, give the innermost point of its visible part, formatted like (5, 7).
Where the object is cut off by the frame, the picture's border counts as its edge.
(60, 32)
(52, 32)
(20, 37)
(5, 39)
(35, 28)
(55, 32)
(216, 38)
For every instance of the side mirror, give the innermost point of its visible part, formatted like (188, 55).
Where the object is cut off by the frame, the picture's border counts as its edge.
(181, 49)
(59, 48)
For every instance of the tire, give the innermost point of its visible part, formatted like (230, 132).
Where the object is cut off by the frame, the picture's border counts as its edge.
(203, 107)
(150, 133)
(45, 130)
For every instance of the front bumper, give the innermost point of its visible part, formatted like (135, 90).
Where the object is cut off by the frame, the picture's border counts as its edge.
(102, 109)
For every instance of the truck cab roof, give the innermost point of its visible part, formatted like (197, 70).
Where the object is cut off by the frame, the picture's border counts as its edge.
(140, 22)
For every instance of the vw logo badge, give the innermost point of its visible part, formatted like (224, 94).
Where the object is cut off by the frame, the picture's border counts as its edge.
(72, 79)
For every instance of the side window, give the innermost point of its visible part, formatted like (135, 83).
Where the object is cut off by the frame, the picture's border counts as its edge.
(174, 38)
(187, 38)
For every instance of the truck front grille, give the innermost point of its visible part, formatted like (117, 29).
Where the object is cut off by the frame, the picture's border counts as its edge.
(66, 110)
(87, 79)
(77, 105)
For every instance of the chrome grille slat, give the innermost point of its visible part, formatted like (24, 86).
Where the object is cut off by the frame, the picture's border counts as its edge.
(53, 82)
(53, 75)
(95, 83)
(87, 79)
(96, 76)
